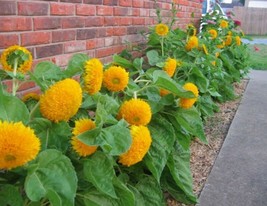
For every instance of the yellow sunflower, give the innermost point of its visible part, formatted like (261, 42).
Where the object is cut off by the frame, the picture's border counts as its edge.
(81, 126)
(23, 63)
(187, 103)
(93, 76)
(30, 96)
(192, 43)
(162, 29)
(18, 145)
(220, 46)
(135, 112)
(61, 101)
(141, 141)
(238, 40)
(223, 24)
(191, 30)
(170, 66)
(115, 78)
(205, 50)
(228, 40)
(213, 33)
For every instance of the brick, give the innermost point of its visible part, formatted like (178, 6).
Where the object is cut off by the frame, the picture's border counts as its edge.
(26, 85)
(7, 40)
(48, 51)
(100, 42)
(103, 52)
(110, 41)
(94, 21)
(85, 10)
(44, 23)
(111, 21)
(104, 10)
(122, 11)
(72, 1)
(125, 21)
(34, 38)
(62, 9)
(15, 24)
(63, 35)
(138, 3)
(33, 9)
(74, 46)
(145, 12)
(136, 29)
(8, 8)
(90, 44)
(127, 3)
(83, 34)
(110, 2)
(72, 22)
(120, 31)
(110, 31)
(138, 21)
(135, 12)
(93, 2)
(149, 5)
(62, 60)
(101, 32)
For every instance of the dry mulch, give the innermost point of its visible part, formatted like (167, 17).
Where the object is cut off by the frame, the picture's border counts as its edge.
(216, 128)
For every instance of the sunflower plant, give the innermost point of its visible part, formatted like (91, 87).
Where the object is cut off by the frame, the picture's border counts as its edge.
(117, 133)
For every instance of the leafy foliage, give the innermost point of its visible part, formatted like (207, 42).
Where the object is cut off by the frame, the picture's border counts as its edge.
(59, 175)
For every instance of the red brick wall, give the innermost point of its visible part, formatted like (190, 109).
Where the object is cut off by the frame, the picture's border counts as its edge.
(56, 29)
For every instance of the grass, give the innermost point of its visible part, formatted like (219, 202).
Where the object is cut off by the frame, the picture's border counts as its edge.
(258, 56)
(258, 53)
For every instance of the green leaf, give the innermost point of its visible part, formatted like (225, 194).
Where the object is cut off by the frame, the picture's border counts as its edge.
(98, 169)
(183, 138)
(123, 62)
(48, 71)
(180, 185)
(91, 137)
(107, 108)
(153, 57)
(12, 109)
(125, 195)
(139, 199)
(96, 198)
(9, 195)
(190, 121)
(162, 80)
(51, 176)
(76, 65)
(151, 191)
(138, 63)
(163, 138)
(52, 135)
(118, 137)
(198, 78)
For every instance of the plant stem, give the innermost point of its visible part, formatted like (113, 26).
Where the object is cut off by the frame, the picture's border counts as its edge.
(14, 80)
(34, 109)
(162, 49)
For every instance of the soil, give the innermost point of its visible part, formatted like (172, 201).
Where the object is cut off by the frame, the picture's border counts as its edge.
(216, 128)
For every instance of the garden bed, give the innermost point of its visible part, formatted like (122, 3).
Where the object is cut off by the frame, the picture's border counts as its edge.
(216, 128)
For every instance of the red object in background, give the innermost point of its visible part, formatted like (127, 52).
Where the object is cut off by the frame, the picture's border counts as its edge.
(237, 23)
(256, 48)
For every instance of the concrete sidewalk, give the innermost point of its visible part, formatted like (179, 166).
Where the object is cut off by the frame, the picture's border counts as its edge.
(239, 175)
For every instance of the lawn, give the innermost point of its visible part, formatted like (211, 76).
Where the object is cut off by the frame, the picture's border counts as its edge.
(258, 54)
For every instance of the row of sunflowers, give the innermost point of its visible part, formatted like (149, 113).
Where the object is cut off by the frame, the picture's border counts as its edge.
(120, 133)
